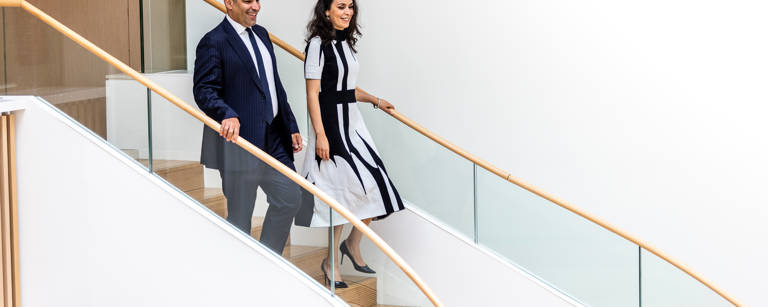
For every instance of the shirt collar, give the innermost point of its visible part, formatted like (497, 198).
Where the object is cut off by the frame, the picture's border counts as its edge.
(239, 29)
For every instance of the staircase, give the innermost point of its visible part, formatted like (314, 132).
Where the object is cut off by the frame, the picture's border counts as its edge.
(188, 177)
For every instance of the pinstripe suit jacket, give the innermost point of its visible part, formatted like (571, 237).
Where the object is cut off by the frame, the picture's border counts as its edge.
(226, 86)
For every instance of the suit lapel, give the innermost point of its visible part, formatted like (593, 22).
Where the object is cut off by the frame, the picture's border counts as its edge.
(242, 52)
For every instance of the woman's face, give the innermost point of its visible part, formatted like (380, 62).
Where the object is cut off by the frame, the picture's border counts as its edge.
(341, 13)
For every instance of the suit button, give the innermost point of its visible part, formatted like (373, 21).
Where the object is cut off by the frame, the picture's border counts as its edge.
(263, 96)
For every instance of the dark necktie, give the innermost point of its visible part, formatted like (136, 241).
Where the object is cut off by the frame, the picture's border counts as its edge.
(262, 75)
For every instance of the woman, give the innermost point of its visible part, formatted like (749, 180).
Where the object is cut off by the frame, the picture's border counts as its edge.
(341, 158)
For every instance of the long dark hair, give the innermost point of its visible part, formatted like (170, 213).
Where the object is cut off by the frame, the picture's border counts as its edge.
(322, 27)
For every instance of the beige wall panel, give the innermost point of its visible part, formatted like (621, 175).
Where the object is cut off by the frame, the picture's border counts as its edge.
(5, 206)
(33, 52)
(2, 51)
(165, 35)
(41, 57)
(134, 35)
(4, 202)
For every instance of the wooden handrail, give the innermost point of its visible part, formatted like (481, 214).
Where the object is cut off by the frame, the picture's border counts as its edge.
(295, 177)
(507, 176)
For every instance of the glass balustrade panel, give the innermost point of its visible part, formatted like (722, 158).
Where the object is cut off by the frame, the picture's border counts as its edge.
(665, 285)
(372, 278)
(572, 254)
(428, 176)
(40, 61)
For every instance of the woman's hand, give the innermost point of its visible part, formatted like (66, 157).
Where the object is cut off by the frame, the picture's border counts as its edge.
(386, 106)
(322, 149)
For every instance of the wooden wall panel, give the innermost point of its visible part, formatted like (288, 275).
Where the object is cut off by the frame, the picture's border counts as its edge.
(43, 62)
(44, 58)
(5, 200)
(16, 268)
(2, 52)
(134, 35)
(91, 113)
(9, 266)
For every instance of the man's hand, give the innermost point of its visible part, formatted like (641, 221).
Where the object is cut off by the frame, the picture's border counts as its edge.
(297, 146)
(230, 129)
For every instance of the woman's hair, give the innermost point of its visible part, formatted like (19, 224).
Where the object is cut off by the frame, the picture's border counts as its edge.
(322, 27)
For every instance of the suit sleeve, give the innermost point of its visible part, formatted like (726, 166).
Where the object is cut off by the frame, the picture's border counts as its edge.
(209, 81)
(288, 118)
(293, 127)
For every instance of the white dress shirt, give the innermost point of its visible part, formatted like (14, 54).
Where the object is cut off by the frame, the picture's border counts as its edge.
(240, 30)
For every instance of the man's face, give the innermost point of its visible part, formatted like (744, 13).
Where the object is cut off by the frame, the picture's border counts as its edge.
(243, 11)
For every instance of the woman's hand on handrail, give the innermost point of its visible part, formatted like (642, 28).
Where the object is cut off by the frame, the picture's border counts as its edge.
(378, 103)
(385, 106)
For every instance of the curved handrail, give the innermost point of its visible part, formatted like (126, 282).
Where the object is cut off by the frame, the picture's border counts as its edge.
(508, 177)
(295, 177)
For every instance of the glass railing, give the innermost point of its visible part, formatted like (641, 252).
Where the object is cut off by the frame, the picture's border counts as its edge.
(389, 285)
(572, 254)
(167, 141)
(580, 258)
(39, 61)
(589, 263)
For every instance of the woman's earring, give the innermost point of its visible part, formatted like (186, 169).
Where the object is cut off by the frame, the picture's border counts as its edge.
(327, 16)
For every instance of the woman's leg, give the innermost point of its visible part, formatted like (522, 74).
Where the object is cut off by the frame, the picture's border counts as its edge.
(353, 243)
(337, 269)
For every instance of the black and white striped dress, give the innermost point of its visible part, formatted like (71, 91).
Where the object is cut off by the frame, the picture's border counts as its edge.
(355, 174)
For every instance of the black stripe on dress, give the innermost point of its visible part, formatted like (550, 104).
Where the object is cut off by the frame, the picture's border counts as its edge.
(342, 55)
(380, 181)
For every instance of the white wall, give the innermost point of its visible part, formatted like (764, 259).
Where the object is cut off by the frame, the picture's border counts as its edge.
(176, 135)
(96, 229)
(648, 115)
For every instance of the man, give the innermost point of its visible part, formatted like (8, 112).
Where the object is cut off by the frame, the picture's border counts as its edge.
(236, 83)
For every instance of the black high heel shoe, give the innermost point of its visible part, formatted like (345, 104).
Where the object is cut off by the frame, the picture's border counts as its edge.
(345, 251)
(337, 284)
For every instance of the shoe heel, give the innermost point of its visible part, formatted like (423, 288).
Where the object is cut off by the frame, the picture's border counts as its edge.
(326, 281)
(344, 251)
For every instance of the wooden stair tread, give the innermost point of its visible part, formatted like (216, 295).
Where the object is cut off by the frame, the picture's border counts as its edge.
(306, 258)
(205, 195)
(296, 251)
(352, 282)
(162, 165)
(361, 290)
(187, 175)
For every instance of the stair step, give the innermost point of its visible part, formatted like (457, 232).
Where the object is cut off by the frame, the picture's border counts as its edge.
(185, 175)
(213, 198)
(361, 291)
(306, 258)
(188, 177)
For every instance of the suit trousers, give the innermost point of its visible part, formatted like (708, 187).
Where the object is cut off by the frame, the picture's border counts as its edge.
(240, 188)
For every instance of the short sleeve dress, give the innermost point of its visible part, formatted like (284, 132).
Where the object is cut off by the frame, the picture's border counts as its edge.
(355, 174)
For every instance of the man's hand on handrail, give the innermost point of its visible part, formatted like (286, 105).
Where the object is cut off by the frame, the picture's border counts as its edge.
(230, 129)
